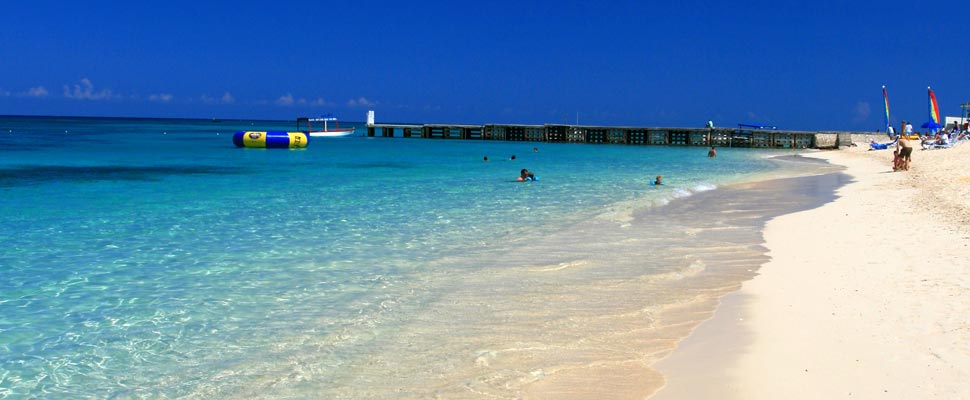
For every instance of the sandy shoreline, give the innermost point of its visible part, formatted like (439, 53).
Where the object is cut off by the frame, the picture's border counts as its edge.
(865, 297)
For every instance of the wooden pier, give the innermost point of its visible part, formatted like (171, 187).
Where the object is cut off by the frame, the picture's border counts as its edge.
(742, 136)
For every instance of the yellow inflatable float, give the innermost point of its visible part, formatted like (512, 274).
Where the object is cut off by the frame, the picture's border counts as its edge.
(270, 139)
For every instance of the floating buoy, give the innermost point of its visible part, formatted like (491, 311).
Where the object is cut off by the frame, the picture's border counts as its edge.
(270, 139)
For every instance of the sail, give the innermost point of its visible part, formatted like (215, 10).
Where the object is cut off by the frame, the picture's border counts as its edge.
(934, 108)
(885, 98)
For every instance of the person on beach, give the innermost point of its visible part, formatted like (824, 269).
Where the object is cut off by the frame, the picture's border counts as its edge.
(526, 175)
(657, 182)
(891, 132)
(905, 152)
(897, 161)
(712, 153)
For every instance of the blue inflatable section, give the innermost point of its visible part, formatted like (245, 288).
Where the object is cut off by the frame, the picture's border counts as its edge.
(269, 139)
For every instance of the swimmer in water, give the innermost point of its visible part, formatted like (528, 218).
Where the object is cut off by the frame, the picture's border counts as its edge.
(526, 175)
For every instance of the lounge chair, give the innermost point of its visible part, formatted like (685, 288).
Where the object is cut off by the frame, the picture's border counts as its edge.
(954, 140)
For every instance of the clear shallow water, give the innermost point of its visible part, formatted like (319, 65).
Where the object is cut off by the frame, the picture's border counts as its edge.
(151, 258)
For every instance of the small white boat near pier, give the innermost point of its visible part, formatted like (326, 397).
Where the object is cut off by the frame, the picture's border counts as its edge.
(336, 131)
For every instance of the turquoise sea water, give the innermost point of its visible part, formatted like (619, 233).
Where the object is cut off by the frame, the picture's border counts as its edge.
(151, 258)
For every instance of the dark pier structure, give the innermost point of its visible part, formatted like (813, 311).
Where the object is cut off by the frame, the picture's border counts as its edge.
(743, 135)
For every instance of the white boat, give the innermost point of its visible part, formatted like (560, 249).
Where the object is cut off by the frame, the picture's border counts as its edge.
(336, 131)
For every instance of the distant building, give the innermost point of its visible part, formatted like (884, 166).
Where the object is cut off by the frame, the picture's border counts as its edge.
(955, 120)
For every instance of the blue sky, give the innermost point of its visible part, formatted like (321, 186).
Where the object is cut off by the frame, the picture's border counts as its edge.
(793, 64)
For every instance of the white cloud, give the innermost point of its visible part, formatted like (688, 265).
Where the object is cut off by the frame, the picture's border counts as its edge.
(360, 102)
(161, 97)
(85, 91)
(226, 98)
(289, 100)
(861, 111)
(36, 91)
(285, 100)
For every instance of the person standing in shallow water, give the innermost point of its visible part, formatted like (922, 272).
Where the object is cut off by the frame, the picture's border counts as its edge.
(712, 153)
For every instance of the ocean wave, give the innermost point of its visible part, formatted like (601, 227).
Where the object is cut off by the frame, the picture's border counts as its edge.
(703, 187)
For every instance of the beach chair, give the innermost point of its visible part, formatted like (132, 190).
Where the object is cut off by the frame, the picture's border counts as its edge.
(954, 140)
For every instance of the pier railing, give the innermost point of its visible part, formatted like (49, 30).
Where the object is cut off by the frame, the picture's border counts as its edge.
(720, 137)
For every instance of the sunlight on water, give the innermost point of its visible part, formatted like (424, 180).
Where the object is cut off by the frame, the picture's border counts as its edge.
(151, 258)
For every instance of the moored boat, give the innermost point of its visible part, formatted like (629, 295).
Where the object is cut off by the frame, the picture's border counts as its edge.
(336, 131)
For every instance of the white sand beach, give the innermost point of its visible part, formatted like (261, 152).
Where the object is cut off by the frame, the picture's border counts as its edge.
(865, 297)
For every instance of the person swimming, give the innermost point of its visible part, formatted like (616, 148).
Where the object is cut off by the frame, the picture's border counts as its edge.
(659, 181)
(526, 175)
